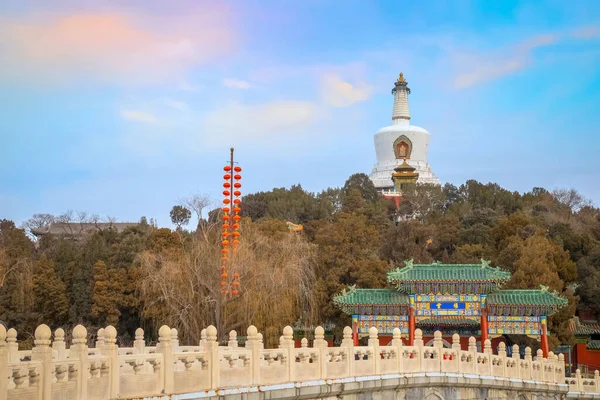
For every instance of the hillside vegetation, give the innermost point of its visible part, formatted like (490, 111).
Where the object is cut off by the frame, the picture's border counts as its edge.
(146, 276)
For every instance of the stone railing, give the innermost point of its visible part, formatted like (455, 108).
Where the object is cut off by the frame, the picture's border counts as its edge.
(51, 370)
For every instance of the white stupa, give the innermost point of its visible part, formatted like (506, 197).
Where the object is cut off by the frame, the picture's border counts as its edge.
(398, 142)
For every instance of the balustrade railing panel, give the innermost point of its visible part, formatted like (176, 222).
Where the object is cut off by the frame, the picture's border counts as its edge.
(364, 359)
(52, 370)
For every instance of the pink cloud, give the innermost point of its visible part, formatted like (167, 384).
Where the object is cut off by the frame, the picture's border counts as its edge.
(113, 47)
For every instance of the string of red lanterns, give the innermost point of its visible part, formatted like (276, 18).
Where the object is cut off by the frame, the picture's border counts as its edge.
(231, 224)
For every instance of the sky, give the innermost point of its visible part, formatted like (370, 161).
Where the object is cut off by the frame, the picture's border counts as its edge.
(123, 108)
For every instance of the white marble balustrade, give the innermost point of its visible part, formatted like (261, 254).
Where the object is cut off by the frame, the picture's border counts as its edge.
(107, 371)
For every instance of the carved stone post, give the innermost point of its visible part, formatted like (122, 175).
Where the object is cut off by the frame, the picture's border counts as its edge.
(252, 344)
(111, 350)
(212, 346)
(456, 348)
(516, 357)
(174, 340)
(397, 343)
(579, 381)
(58, 345)
(99, 339)
(374, 344)
(43, 353)
(288, 344)
(202, 338)
(473, 350)
(233, 342)
(165, 347)
(139, 344)
(321, 347)
(596, 380)
(503, 359)
(419, 343)
(348, 343)
(528, 360)
(561, 373)
(79, 350)
(3, 363)
(12, 345)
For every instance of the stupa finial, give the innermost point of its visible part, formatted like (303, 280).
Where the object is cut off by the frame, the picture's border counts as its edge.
(401, 78)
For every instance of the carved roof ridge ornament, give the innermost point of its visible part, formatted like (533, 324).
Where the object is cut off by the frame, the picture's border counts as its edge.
(543, 288)
(485, 263)
(409, 263)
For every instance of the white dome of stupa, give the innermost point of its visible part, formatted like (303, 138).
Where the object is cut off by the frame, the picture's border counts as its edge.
(400, 141)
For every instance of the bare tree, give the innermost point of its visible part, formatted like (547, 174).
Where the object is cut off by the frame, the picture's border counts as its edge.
(571, 198)
(183, 287)
(37, 222)
(197, 204)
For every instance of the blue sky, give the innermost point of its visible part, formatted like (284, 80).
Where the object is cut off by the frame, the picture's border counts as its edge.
(122, 108)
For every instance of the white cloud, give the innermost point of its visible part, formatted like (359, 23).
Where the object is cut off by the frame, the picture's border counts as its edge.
(188, 87)
(479, 68)
(138, 116)
(236, 83)
(339, 93)
(176, 104)
(239, 122)
(112, 47)
(588, 32)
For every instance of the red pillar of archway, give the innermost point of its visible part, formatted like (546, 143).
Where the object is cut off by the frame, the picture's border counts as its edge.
(484, 327)
(411, 326)
(544, 338)
(355, 332)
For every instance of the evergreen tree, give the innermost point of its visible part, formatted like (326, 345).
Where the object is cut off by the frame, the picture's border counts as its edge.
(50, 293)
(105, 302)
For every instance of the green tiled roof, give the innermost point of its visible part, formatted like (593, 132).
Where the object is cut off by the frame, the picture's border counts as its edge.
(447, 321)
(448, 273)
(371, 297)
(587, 330)
(526, 297)
(593, 345)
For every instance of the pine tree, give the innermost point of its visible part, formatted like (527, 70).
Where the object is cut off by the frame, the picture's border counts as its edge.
(50, 292)
(105, 302)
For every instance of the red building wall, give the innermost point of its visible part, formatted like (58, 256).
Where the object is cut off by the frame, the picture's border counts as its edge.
(583, 356)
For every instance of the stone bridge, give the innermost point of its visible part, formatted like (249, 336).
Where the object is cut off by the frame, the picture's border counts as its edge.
(172, 371)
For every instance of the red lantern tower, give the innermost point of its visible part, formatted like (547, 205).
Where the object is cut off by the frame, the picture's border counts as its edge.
(231, 224)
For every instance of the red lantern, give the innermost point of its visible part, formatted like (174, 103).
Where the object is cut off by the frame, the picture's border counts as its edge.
(227, 168)
(234, 292)
(226, 218)
(226, 210)
(237, 193)
(227, 177)
(236, 218)
(236, 242)
(227, 185)
(237, 168)
(226, 193)
(237, 185)
(235, 284)
(235, 234)
(223, 268)
(225, 226)
(223, 291)
(224, 275)
(223, 284)
(237, 201)
(237, 177)
(236, 226)
(225, 242)
(224, 251)
(226, 201)
(225, 234)
(236, 275)
(236, 209)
